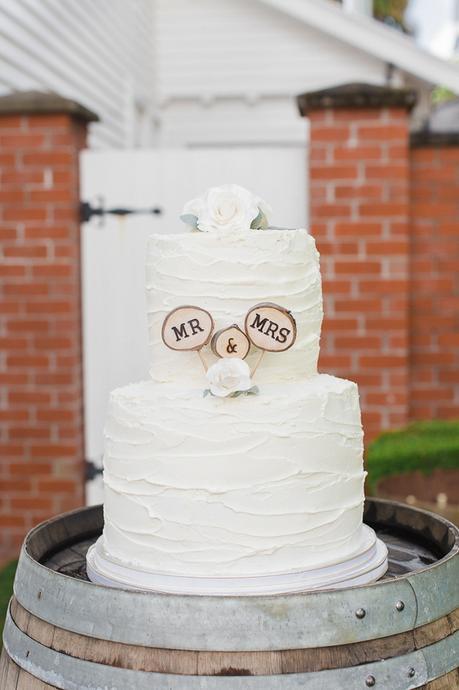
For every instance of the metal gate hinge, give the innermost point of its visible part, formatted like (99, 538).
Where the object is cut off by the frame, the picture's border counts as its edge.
(87, 211)
(92, 470)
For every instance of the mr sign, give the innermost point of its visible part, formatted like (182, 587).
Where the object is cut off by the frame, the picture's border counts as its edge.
(270, 327)
(187, 328)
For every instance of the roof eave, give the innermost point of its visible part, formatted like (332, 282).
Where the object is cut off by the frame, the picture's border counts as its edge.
(372, 37)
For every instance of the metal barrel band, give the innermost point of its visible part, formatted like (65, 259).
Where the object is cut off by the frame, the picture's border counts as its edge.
(214, 663)
(226, 623)
(400, 673)
(239, 624)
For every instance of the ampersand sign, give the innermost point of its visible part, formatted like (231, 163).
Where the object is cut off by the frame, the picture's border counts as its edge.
(230, 342)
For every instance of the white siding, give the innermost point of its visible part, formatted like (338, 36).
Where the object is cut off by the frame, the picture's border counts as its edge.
(229, 70)
(98, 52)
(232, 121)
(237, 48)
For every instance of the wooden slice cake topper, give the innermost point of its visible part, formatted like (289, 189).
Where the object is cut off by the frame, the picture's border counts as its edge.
(230, 342)
(187, 328)
(270, 327)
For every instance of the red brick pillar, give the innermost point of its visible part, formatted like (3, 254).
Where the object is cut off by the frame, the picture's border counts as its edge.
(359, 214)
(435, 276)
(41, 470)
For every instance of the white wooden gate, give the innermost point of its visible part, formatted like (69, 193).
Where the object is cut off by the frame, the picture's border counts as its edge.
(113, 248)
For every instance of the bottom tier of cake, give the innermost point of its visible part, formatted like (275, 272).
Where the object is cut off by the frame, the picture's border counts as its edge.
(255, 485)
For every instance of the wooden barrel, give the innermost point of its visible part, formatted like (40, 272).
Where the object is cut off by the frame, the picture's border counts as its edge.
(401, 632)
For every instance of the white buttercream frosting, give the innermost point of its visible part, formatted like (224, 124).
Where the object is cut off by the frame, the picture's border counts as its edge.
(227, 273)
(234, 486)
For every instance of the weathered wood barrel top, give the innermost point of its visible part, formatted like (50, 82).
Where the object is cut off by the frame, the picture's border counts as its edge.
(401, 632)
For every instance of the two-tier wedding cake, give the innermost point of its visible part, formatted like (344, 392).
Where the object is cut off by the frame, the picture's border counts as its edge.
(236, 468)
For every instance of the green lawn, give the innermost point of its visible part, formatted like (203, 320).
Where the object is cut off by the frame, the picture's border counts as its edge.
(423, 446)
(6, 589)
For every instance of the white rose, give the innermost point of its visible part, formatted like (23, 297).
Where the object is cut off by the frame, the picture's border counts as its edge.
(229, 207)
(228, 375)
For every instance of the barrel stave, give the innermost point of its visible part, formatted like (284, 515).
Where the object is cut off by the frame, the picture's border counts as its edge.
(448, 682)
(9, 672)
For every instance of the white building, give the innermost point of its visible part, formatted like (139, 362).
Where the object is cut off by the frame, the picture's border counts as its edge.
(98, 52)
(202, 72)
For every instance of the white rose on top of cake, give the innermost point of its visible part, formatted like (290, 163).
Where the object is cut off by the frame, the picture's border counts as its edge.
(242, 472)
(228, 208)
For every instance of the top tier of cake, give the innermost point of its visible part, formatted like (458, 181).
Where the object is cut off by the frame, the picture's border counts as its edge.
(227, 273)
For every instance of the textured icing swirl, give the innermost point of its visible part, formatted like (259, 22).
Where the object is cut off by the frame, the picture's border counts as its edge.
(227, 273)
(245, 486)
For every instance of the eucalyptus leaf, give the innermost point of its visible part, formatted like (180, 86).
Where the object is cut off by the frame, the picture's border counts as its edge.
(260, 222)
(190, 219)
(255, 224)
(264, 223)
(253, 391)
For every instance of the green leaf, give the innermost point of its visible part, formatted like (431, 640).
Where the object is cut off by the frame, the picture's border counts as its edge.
(253, 391)
(260, 222)
(190, 219)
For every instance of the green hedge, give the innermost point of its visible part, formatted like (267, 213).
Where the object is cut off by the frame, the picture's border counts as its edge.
(6, 590)
(423, 446)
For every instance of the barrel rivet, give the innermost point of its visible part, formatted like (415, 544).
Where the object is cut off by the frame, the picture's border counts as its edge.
(370, 681)
(411, 673)
(360, 613)
(400, 605)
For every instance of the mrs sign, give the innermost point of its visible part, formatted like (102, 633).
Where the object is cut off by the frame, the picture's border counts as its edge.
(270, 327)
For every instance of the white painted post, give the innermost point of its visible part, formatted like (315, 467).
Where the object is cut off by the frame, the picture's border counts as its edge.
(359, 6)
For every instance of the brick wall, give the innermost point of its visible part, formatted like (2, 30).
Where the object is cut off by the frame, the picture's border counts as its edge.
(41, 440)
(359, 204)
(434, 326)
(385, 213)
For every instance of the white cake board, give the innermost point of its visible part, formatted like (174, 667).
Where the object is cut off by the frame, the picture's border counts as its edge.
(368, 566)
